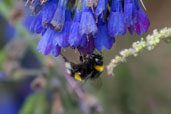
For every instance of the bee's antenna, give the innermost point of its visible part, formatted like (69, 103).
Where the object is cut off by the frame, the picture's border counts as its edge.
(66, 60)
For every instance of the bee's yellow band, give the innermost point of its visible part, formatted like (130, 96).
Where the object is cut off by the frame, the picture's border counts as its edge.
(77, 77)
(99, 68)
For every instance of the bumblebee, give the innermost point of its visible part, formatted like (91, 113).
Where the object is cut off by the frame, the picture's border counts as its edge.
(90, 67)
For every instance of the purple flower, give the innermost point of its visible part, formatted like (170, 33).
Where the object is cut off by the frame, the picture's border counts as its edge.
(61, 38)
(103, 40)
(116, 24)
(135, 17)
(74, 34)
(46, 43)
(36, 7)
(59, 17)
(36, 26)
(56, 50)
(92, 27)
(48, 11)
(87, 24)
(101, 8)
(88, 46)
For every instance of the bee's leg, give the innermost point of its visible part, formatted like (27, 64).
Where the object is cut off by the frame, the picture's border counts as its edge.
(81, 58)
(85, 56)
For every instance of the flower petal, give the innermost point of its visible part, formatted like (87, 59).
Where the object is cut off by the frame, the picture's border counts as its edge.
(116, 24)
(103, 40)
(46, 43)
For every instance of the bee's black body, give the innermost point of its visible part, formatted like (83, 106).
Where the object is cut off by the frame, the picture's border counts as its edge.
(90, 67)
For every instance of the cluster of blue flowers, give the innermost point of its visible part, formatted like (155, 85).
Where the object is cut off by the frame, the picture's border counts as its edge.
(85, 25)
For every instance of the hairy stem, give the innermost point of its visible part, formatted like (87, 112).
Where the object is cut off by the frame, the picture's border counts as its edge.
(137, 47)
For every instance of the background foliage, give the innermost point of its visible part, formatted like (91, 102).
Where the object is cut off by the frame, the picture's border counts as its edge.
(33, 84)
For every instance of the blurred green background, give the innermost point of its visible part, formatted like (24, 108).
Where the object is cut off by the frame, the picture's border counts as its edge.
(140, 86)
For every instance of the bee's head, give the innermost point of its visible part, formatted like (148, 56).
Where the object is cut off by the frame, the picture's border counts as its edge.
(98, 60)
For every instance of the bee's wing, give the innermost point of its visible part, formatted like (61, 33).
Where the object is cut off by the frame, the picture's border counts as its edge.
(95, 84)
(68, 64)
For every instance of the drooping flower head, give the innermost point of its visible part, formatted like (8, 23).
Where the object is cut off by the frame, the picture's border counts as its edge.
(74, 32)
(135, 18)
(85, 25)
(116, 24)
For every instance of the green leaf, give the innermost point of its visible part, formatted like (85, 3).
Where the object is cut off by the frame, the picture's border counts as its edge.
(42, 105)
(29, 105)
(3, 55)
(36, 104)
